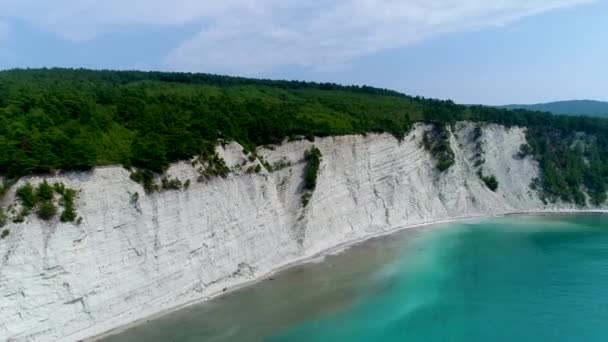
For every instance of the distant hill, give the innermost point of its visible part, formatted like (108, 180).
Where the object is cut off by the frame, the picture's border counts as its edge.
(577, 107)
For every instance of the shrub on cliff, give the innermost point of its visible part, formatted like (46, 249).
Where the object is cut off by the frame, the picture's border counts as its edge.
(213, 165)
(490, 181)
(145, 178)
(3, 190)
(525, 150)
(46, 210)
(171, 183)
(313, 157)
(437, 142)
(27, 196)
(2, 218)
(69, 207)
(45, 192)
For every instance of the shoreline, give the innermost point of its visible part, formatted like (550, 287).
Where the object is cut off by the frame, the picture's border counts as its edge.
(338, 249)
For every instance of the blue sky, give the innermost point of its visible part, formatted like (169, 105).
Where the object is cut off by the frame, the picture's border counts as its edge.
(472, 51)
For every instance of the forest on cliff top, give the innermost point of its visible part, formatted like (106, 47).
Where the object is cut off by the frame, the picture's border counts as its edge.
(75, 119)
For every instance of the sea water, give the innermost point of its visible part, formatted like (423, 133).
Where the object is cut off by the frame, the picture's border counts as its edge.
(528, 278)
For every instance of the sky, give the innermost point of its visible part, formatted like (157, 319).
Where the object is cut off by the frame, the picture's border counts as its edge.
(471, 51)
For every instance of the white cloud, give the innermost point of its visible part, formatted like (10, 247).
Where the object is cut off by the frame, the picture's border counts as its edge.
(332, 36)
(250, 36)
(81, 20)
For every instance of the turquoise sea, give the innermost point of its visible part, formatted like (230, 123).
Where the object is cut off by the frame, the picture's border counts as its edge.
(524, 278)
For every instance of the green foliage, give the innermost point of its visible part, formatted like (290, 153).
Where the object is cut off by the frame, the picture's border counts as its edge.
(280, 165)
(490, 181)
(150, 153)
(75, 119)
(437, 142)
(145, 178)
(213, 165)
(20, 218)
(3, 190)
(525, 150)
(313, 157)
(276, 166)
(68, 201)
(46, 210)
(41, 199)
(27, 196)
(266, 164)
(2, 218)
(5, 234)
(171, 183)
(254, 169)
(63, 119)
(59, 188)
(45, 191)
(570, 163)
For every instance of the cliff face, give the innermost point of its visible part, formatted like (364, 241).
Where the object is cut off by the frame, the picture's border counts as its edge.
(132, 258)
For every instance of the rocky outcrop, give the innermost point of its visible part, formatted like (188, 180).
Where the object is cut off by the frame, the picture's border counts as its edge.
(133, 256)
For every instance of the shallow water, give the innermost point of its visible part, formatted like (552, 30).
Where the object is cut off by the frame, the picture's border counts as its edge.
(536, 278)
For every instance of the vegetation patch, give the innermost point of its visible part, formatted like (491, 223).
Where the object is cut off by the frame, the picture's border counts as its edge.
(171, 184)
(570, 163)
(525, 150)
(21, 216)
(68, 200)
(254, 169)
(46, 210)
(64, 119)
(437, 142)
(3, 218)
(27, 196)
(212, 165)
(477, 133)
(3, 190)
(42, 201)
(313, 158)
(281, 164)
(490, 181)
(276, 166)
(145, 178)
(479, 153)
(265, 164)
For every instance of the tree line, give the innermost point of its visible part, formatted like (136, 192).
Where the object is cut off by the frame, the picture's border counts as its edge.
(74, 119)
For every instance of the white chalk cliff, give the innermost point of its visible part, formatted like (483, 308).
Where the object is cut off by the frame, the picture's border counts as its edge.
(130, 258)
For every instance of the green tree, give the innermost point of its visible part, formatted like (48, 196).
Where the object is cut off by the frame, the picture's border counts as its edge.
(45, 191)
(46, 210)
(149, 152)
(27, 196)
(313, 156)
